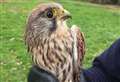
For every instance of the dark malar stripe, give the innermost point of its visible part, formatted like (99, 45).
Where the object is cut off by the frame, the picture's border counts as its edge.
(54, 26)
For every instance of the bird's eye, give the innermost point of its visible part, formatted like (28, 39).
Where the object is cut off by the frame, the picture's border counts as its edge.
(49, 14)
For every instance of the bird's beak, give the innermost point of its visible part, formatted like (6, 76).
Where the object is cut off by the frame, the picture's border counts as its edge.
(66, 15)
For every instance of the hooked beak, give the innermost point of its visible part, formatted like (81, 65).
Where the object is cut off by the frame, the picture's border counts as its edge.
(66, 15)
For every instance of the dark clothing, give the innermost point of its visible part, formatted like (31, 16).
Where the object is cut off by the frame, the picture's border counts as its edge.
(106, 68)
(39, 75)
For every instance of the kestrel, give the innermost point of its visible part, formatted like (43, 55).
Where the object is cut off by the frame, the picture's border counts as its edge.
(54, 46)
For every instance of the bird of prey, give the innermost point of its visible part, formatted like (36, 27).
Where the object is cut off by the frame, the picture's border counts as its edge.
(54, 46)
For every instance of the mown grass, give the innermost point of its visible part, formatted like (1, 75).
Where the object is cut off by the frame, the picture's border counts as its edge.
(100, 24)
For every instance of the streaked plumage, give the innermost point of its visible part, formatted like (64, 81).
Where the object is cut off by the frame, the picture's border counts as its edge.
(55, 47)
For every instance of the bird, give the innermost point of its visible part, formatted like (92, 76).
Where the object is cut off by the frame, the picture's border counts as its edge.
(53, 45)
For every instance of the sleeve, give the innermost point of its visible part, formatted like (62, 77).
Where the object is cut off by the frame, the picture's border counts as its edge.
(106, 67)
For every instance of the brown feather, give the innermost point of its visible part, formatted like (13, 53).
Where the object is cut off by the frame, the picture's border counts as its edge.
(53, 51)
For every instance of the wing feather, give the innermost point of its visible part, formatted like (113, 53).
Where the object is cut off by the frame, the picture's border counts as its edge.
(79, 43)
(78, 51)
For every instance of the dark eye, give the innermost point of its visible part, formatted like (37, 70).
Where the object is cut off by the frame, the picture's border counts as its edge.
(49, 14)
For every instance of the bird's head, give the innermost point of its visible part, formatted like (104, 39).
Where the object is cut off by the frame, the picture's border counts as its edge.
(46, 18)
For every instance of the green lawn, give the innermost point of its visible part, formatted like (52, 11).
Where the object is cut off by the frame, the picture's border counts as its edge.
(101, 25)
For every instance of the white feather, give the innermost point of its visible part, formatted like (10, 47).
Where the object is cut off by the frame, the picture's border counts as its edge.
(75, 52)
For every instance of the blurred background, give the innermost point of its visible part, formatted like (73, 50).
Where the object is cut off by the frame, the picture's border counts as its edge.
(98, 19)
(115, 2)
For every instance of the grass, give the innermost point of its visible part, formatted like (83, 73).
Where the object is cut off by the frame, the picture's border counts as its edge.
(100, 24)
